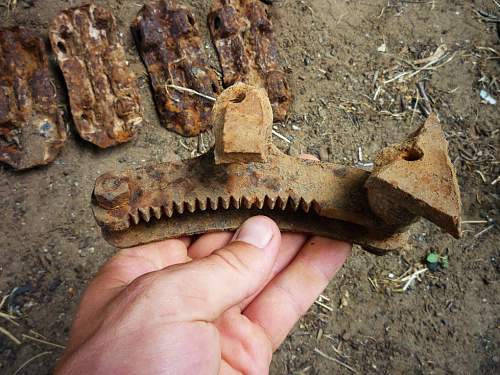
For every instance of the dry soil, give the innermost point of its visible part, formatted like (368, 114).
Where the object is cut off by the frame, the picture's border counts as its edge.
(339, 55)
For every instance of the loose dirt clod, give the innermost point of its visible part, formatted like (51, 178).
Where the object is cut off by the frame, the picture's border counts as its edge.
(31, 126)
(246, 175)
(102, 89)
(169, 42)
(242, 33)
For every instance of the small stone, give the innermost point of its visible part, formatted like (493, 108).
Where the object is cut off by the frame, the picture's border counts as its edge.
(28, 3)
(324, 154)
(344, 300)
(54, 284)
(293, 150)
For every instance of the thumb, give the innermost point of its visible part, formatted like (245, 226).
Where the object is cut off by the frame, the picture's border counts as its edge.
(204, 288)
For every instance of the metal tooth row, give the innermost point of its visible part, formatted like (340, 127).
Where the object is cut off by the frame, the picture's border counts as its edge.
(214, 204)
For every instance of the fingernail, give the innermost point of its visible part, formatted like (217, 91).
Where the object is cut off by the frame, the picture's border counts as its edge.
(256, 231)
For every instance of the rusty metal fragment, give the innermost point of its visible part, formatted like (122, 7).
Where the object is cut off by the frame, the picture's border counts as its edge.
(169, 42)
(32, 130)
(219, 190)
(236, 143)
(242, 33)
(416, 178)
(102, 89)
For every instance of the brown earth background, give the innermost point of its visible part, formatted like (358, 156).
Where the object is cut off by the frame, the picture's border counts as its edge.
(337, 54)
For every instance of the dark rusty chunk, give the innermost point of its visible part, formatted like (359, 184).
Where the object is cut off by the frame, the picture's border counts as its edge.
(246, 175)
(243, 36)
(31, 126)
(170, 45)
(102, 89)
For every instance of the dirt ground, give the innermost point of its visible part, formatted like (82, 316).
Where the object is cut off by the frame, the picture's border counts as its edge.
(339, 55)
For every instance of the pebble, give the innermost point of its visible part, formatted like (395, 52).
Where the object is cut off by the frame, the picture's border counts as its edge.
(485, 95)
(293, 150)
(54, 284)
(28, 3)
(324, 154)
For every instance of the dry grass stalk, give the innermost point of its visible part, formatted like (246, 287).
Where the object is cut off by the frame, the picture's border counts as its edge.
(10, 336)
(30, 360)
(42, 341)
(401, 283)
(343, 364)
(438, 59)
(191, 91)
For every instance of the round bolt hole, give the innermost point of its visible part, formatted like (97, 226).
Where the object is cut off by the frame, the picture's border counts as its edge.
(413, 155)
(217, 23)
(84, 117)
(61, 47)
(241, 96)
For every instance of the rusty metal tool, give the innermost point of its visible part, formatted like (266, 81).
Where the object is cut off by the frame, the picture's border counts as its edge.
(32, 130)
(102, 89)
(168, 39)
(242, 33)
(246, 175)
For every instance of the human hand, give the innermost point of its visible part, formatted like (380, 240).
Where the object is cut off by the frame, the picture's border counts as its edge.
(220, 304)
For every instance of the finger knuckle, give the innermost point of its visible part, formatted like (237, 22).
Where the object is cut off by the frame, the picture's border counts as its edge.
(233, 261)
(142, 284)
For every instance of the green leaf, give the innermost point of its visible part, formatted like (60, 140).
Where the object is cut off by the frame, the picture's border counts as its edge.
(432, 257)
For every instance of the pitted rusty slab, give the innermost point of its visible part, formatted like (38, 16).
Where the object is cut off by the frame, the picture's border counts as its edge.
(32, 130)
(219, 190)
(169, 42)
(102, 89)
(242, 33)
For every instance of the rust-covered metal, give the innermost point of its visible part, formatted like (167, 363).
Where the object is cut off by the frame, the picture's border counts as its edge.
(169, 42)
(416, 179)
(102, 89)
(32, 130)
(242, 33)
(237, 179)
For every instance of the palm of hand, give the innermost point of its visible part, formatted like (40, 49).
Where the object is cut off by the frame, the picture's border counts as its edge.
(183, 307)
